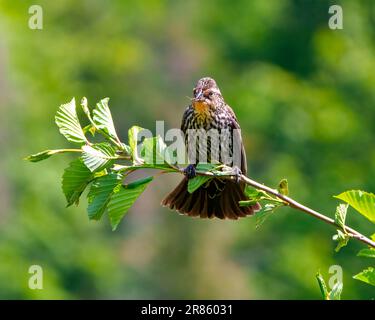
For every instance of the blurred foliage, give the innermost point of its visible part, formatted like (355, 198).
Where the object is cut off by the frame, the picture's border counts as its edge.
(304, 96)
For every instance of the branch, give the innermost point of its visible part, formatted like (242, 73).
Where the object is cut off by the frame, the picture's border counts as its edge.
(296, 205)
(76, 177)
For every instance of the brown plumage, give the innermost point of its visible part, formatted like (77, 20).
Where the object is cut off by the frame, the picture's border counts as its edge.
(217, 198)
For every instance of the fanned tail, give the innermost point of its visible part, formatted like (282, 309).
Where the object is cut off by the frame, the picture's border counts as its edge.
(217, 199)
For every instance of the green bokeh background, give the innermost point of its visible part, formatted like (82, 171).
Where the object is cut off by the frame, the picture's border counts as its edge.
(304, 95)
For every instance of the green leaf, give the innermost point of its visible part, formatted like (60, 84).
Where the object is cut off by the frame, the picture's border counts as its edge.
(133, 142)
(100, 194)
(369, 253)
(254, 194)
(126, 148)
(74, 180)
(47, 153)
(340, 215)
(264, 213)
(336, 291)
(363, 202)
(206, 167)
(247, 203)
(85, 107)
(322, 286)
(283, 187)
(196, 182)
(342, 240)
(103, 118)
(138, 182)
(123, 198)
(40, 155)
(98, 156)
(217, 169)
(90, 128)
(68, 123)
(367, 275)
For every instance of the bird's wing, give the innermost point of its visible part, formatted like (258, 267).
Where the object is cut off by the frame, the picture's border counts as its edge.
(235, 125)
(185, 122)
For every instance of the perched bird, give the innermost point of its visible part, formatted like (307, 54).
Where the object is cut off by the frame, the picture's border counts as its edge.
(218, 197)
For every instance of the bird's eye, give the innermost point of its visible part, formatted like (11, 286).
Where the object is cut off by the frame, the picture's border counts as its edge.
(208, 94)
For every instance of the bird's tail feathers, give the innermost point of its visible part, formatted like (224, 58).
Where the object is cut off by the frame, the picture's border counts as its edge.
(210, 201)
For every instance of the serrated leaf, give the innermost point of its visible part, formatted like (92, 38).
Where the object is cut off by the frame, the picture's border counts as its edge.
(67, 120)
(133, 143)
(45, 154)
(322, 286)
(196, 182)
(369, 253)
(340, 214)
(103, 118)
(123, 198)
(100, 194)
(336, 291)
(342, 240)
(367, 275)
(283, 187)
(74, 180)
(363, 202)
(98, 156)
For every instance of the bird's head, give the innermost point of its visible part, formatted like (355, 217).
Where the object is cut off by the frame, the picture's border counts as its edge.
(206, 95)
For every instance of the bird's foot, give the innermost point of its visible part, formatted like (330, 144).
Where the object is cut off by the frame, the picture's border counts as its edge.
(237, 173)
(190, 171)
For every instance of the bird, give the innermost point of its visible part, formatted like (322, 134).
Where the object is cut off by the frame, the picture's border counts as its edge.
(218, 197)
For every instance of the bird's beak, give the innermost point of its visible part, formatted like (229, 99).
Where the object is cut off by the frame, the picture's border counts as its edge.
(199, 94)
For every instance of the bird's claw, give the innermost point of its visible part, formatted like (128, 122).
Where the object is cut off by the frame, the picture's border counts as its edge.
(190, 171)
(237, 173)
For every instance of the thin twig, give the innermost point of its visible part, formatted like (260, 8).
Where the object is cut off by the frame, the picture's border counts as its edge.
(296, 205)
